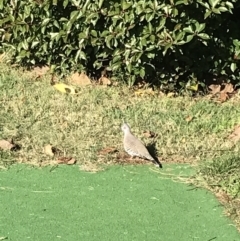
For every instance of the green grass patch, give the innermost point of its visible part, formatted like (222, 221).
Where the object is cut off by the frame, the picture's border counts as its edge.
(120, 203)
(35, 114)
(223, 172)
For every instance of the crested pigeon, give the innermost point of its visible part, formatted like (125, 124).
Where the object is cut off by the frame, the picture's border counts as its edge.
(135, 147)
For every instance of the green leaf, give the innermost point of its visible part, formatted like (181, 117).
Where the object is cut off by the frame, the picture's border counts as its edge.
(214, 3)
(97, 64)
(204, 4)
(127, 53)
(129, 66)
(139, 8)
(115, 44)
(63, 20)
(115, 66)
(150, 48)
(87, 3)
(6, 36)
(142, 73)
(152, 38)
(116, 59)
(104, 33)
(100, 2)
(150, 27)
(166, 48)
(73, 16)
(65, 3)
(203, 36)
(94, 33)
(91, 17)
(149, 17)
(161, 24)
(82, 55)
(1, 4)
(181, 2)
(233, 67)
(34, 43)
(236, 43)
(131, 80)
(151, 55)
(223, 9)
(207, 14)
(56, 24)
(189, 38)
(215, 10)
(229, 4)
(175, 12)
(188, 29)
(43, 30)
(201, 27)
(55, 36)
(126, 5)
(45, 21)
(117, 52)
(108, 41)
(82, 35)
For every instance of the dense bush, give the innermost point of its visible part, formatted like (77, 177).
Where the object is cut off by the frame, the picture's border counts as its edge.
(177, 43)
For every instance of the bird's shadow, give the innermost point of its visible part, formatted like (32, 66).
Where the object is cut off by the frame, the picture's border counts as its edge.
(153, 152)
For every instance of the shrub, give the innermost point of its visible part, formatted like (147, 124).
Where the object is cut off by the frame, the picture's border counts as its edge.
(176, 43)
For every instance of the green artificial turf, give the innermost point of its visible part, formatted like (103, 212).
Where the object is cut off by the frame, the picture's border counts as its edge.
(120, 203)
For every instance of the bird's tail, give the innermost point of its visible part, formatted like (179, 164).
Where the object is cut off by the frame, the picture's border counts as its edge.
(157, 162)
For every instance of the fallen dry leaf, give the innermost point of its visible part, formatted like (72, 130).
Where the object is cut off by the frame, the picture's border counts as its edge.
(161, 94)
(223, 92)
(228, 88)
(223, 96)
(48, 150)
(170, 94)
(183, 140)
(80, 79)
(149, 134)
(64, 88)
(189, 118)
(52, 151)
(105, 81)
(143, 92)
(214, 89)
(193, 87)
(107, 150)
(6, 145)
(66, 160)
(235, 136)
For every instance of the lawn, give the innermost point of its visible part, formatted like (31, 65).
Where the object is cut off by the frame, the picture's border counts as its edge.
(86, 125)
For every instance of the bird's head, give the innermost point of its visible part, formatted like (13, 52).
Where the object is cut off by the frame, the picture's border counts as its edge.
(125, 128)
